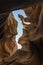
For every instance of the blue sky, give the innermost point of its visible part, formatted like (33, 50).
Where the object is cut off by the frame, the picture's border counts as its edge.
(19, 28)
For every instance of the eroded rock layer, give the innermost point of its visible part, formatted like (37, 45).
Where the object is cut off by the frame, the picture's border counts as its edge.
(31, 40)
(7, 43)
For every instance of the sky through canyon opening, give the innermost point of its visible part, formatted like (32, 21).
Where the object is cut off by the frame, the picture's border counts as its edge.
(20, 26)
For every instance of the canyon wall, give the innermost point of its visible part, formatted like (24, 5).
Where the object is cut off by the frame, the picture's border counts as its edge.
(8, 43)
(31, 40)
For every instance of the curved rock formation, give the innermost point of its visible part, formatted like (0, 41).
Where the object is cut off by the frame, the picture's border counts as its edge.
(8, 44)
(32, 38)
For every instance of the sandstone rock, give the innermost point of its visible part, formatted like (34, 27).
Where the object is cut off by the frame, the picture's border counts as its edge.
(8, 44)
(33, 34)
(32, 44)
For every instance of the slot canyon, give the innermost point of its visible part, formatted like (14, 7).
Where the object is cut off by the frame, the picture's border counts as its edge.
(30, 40)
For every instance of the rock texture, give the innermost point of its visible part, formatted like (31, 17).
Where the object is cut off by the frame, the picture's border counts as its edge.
(35, 18)
(8, 44)
(32, 38)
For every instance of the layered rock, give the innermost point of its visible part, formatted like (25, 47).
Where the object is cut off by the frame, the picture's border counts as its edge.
(8, 43)
(32, 38)
(32, 42)
(31, 52)
(34, 18)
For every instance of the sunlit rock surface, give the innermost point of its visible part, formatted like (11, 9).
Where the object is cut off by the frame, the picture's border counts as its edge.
(35, 17)
(31, 40)
(8, 43)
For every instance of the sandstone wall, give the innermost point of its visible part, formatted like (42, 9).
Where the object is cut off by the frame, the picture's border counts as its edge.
(32, 38)
(7, 43)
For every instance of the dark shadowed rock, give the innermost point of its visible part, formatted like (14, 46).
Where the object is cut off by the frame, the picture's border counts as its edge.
(32, 38)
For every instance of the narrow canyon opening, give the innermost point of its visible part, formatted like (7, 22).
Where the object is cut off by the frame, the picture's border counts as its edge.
(20, 26)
